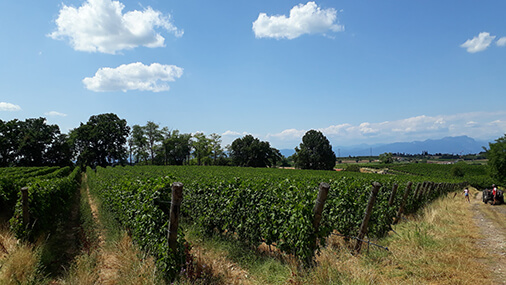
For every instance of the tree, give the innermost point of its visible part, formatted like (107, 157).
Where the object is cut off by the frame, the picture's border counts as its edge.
(35, 141)
(101, 141)
(154, 135)
(216, 149)
(177, 147)
(386, 158)
(497, 159)
(139, 143)
(32, 143)
(10, 133)
(251, 152)
(315, 152)
(201, 147)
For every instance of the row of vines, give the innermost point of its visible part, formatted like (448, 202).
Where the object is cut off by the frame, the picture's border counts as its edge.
(49, 191)
(272, 206)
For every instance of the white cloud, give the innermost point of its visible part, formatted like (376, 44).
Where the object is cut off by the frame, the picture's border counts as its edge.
(479, 43)
(501, 42)
(478, 125)
(288, 134)
(303, 19)
(471, 124)
(101, 26)
(133, 76)
(4, 106)
(55, 114)
(234, 134)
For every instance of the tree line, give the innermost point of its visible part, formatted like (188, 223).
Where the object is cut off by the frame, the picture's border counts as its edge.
(107, 140)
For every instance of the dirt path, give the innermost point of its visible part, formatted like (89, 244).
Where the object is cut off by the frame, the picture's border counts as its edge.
(491, 220)
(106, 260)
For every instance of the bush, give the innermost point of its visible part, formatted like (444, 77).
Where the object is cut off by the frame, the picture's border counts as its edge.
(352, 167)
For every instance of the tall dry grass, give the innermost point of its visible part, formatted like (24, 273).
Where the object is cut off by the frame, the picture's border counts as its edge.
(436, 246)
(19, 262)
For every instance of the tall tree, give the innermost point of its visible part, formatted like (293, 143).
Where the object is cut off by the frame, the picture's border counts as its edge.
(201, 147)
(36, 140)
(251, 152)
(497, 159)
(154, 136)
(10, 133)
(139, 143)
(315, 152)
(32, 143)
(216, 149)
(101, 141)
(177, 148)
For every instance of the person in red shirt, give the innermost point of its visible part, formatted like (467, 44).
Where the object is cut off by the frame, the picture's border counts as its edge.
(494, 194)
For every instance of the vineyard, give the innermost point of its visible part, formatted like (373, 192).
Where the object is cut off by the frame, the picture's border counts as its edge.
(255, 206)
(47, 192)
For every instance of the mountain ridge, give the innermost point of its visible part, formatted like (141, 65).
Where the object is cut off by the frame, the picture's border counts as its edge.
(450, 145)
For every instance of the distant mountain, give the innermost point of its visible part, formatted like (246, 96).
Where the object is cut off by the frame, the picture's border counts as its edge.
(287, 152)
(452, 145)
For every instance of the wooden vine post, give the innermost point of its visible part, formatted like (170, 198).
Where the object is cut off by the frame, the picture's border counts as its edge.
(403, 202)
(392, 195)
(318, 209)
(363, 228)
(175, 206)
(24, 200)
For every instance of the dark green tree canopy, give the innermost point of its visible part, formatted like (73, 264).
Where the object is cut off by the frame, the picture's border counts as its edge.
(250, 151)
(177, 148)
(386, 158)
(32, 143)
(101, 141)
(497, 159)
(315, 152)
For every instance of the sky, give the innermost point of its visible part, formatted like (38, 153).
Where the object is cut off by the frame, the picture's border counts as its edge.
(359, 71)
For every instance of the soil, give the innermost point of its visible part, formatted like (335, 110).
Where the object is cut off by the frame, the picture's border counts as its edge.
(491, 220)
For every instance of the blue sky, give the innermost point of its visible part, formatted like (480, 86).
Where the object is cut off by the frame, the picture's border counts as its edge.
(359, 71)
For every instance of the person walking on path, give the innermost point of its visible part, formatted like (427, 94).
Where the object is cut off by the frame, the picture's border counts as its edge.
(466, 194)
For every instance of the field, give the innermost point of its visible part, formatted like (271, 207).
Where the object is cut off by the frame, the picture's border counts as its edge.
(267, 212)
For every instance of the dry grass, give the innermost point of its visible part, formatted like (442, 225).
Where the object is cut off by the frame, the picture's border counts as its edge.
(435, 247)
(83, 271)
(120, 262)
(125, 263)
(18, 261)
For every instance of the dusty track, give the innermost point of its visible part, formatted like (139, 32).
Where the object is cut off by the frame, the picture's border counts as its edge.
(491, 220)
(106, 271)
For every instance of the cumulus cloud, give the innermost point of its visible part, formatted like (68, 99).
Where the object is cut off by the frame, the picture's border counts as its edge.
(101, 26)
(233, 134)
(133, 76)
(479, 43)
(501, 42)
(303, 19)
(55, 114)
(288, 134)
(4, 106)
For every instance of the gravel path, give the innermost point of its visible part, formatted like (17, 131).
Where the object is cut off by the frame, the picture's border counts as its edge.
(491, 220)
